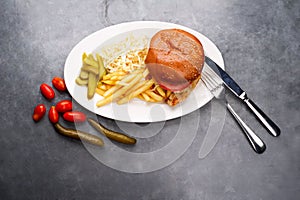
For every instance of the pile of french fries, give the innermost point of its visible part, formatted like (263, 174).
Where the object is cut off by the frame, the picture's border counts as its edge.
(121, 87)
(123, 80)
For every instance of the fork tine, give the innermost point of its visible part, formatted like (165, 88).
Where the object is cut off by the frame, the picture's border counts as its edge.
(208, 69)
(207, 81)
(212, 79)
(214, 75)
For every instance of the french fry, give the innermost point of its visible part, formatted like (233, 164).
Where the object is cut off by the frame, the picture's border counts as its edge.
(116, 73)
(126, 97)
(110, 82)
(161, 91)
(138, 71)
(146, 72)
(154, 96)
(145, 87)
(106, 77)
(127, 79)
(109, 86)
(168, 93)
(119, 73)
(104, 101)
(150, 99)
(100, 91)
(140, 97)
(99, 84)
(116, 78)
(124, 89)
(145, 96)
(119, 92)
(112, 90)
(102, 87)
(137, 86)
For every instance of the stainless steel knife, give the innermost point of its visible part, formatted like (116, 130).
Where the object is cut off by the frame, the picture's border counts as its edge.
(235, 88)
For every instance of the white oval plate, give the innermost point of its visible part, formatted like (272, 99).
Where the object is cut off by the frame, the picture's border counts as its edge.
(122, 37)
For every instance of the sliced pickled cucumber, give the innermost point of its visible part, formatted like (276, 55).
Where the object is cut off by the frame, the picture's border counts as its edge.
(84, 75)
(92, 84)
(80, 81)
(91, 69)
(102, 70)
(90, 61)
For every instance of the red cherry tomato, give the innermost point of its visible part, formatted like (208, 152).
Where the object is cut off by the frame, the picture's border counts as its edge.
(53, 115)
(47, 91)
(74, 116)
(59, 84)
(39, 112)
(64, 106)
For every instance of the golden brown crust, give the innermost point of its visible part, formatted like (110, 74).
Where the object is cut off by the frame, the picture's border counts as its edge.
(175, 56)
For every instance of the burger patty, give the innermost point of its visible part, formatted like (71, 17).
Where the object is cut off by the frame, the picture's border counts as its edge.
(175, 59)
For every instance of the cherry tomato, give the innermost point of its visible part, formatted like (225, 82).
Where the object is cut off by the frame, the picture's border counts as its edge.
(53, 115)
(39, 112)
(64, 106)
(47, 91)
(59, 84)
(74, 116)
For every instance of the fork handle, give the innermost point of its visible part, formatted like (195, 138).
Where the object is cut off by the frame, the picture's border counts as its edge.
(257, 144)
(265, 120)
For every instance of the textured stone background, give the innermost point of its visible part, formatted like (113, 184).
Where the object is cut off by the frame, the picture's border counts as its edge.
(260, 42)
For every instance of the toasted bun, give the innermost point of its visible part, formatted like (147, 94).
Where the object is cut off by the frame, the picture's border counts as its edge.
(175, 59)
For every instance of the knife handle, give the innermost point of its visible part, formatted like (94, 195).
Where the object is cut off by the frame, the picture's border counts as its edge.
(264, 119)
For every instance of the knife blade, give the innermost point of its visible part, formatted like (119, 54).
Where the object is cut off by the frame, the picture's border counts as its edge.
(273, 129)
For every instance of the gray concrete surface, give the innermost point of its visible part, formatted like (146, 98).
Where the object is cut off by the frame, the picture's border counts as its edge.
(260, 42)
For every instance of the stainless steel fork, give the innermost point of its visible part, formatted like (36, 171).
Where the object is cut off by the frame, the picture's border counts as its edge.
(215, 86)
